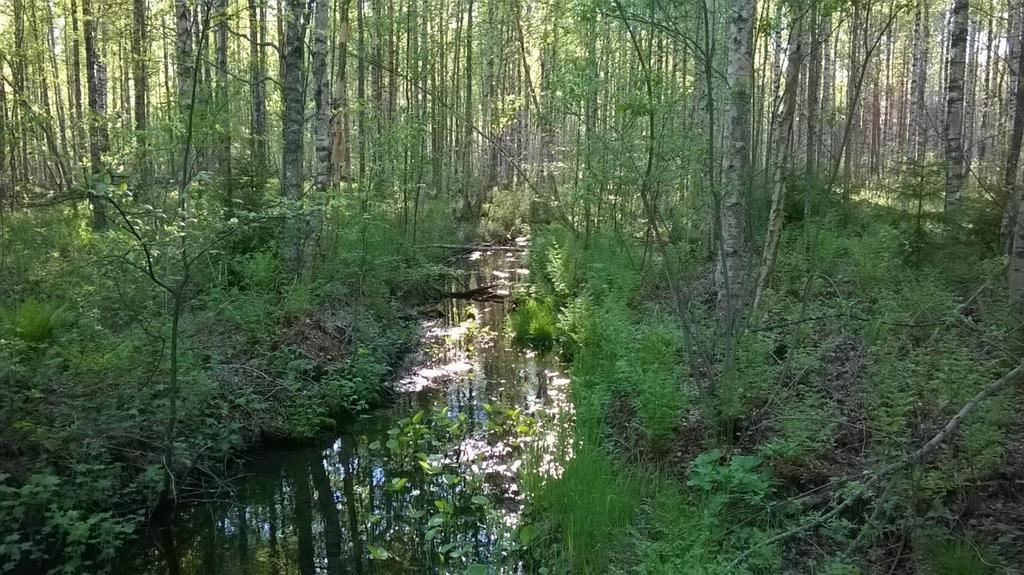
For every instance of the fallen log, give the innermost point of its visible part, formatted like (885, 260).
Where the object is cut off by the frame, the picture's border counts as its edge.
(481, 248)
(482, 293)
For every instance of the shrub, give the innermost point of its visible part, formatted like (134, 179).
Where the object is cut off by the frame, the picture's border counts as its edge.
(33, 321)
(533, 323)
(506, 214)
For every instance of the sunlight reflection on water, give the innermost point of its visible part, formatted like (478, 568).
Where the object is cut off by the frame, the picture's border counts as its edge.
(352, 505)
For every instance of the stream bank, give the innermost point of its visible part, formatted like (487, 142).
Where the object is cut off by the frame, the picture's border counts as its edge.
(433, 483)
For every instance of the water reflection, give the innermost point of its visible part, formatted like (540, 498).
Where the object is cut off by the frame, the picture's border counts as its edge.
(358, 505)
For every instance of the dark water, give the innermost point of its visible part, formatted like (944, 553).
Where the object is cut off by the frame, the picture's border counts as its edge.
(437, 483)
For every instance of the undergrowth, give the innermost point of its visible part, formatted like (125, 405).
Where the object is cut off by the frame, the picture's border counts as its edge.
(263, 355)
(858, 370)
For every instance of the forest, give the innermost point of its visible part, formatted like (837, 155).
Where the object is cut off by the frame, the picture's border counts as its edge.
(302, 287)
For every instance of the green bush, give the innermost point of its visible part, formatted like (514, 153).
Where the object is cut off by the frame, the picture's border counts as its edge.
(33, 321)
(506, 214)
(532, 323)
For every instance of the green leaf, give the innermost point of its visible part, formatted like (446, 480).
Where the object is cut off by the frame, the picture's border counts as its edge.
(480, 500)
(392, 444)
(477, 569)
(429, 468)
(527, 533)
(378, 553)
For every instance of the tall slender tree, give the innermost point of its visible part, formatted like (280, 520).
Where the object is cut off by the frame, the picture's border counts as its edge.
(918, 129)
(321, 98)
(257, 92)
(955, 103)
(1011, 189)
(293, 124)
(222, 101)
(731, 266)
(140, 77)
(784, 143)
(96, 77)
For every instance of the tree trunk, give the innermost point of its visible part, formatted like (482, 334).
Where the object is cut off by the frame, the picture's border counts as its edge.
(75, 80)
(1016, 268)
(292, 128)
(955, 104)
(853, 137)
(471, 209)
(918, 129)
(185, 69)
(1011, 189)
(96, 76)
(140, 49)
(971, 95)
(257, 95)
(321, 99)
(330, 516)
(1015, 30)
(986, 106)
(361, 88)
(341, 157)
(820, 32)
(51, 37)
(183, 51)
(784, 144)
(223, 105)
(730, 269)
(1013, 49)
(826, 133)
(303, 517)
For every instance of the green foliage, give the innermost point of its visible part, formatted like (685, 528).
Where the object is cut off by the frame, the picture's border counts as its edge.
(946, 555)
(750, 381)
(532, 322)
(506, 214)
(650, 367)
(590, 506)
(922, 196)
(261, 354)
(805, 429)
(739, 482)
(685, 530)
(880, 356)
(33, 321)
(71, 538)
(259, 271)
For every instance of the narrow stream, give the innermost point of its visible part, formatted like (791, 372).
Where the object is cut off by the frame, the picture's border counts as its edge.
(436, 483)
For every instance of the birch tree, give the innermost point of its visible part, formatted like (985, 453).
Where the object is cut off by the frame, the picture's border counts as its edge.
(293, 123)
(955, 104)
(96, 78)
(731, 266)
